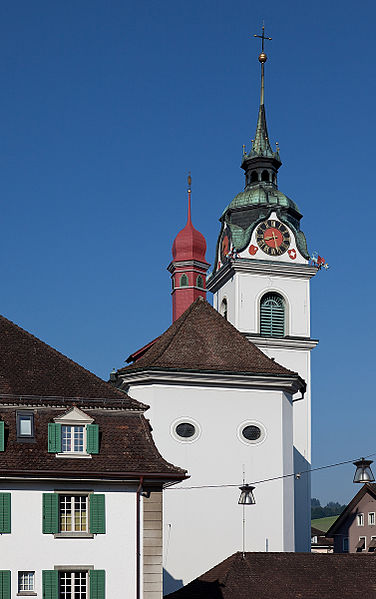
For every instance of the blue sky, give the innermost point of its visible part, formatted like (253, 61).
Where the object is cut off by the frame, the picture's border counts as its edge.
(104, 109)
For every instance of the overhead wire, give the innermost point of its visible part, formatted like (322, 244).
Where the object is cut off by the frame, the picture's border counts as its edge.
(266, 480)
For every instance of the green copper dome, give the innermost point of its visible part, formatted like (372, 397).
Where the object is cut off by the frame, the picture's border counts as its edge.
(262, 195)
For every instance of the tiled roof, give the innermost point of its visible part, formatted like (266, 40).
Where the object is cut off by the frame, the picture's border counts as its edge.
(32, 368)
(126, 444)
(201, 339)
(286, 576)
(36, 377)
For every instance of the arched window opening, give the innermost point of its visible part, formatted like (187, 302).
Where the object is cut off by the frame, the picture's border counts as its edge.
(265, 176)
(223, 309)
(272, 315)
(254, 176)
(184, 281)
(200, 282)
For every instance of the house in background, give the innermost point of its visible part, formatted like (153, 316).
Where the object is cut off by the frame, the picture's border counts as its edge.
(81, 480)
(320, 543)
(354, 531)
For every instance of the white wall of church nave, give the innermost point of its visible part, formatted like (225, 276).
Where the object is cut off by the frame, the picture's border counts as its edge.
(243, 293)
(198, 532)
(28, 549)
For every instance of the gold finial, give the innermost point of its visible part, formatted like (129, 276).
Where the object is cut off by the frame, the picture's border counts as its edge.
(277, 144)
(243, 146)
(189, 180)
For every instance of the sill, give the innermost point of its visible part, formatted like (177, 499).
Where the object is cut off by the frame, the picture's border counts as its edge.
(73, 455)
(73, 535)
(26, 594)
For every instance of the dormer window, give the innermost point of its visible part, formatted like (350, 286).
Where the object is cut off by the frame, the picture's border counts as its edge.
(25, 425)
(72, 439)
(73, 435)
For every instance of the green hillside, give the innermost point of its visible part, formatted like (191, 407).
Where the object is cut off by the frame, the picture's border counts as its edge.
(323, 523)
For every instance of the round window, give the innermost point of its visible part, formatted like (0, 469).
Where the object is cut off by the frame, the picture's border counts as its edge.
(185, 429)
(251, 432)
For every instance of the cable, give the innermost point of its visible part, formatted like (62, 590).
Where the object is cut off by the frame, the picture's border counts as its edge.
(266, 480)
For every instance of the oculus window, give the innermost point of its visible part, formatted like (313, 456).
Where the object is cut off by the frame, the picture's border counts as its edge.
(185, 430)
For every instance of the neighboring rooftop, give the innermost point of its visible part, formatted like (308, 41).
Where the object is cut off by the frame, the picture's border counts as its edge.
(203, 340)
(35, 376)
(30, 367)
(286, 576)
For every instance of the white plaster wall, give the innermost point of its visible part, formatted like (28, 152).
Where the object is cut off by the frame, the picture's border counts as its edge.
(244, 291)
(204, 526)
(27, 548)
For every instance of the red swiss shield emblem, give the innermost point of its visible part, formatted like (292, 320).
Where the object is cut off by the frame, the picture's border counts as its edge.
(252, 249)
(292, 254)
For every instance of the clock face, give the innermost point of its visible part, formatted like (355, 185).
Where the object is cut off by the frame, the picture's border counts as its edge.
(273, 237)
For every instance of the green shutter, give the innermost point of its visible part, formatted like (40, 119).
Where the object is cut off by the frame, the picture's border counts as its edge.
(50, 584)
(4, 514)
(50, 513)
(54, 437)
(97, 584)
(97, 513)
(4, 584)
(272, 316)
(2, 435)
(92, 438)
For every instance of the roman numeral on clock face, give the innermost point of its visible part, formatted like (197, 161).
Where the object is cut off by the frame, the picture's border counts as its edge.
(273, 237)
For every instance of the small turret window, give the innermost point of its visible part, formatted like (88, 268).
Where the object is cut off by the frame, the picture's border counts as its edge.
(184, 281)
(254, 176)
(223, 309)
(272, 315)
(200, 282)
(265, 176)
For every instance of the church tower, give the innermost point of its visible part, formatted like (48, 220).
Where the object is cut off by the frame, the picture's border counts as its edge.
(188, 267)
(261, 285)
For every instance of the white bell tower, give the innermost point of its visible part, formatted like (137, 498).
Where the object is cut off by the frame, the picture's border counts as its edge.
(261, 284)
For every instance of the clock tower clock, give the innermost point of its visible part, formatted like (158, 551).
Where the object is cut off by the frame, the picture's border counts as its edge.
(261, 282)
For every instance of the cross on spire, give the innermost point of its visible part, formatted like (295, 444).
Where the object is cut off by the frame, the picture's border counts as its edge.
(262, 37)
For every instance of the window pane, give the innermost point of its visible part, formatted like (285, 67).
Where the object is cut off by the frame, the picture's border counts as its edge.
(73, 513)
(73, 585)
(72, 439)
(25, 425)
(26, 581)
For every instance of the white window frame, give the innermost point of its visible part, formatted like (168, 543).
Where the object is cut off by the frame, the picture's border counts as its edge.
(371, 518)
(73, 497)
(72, 431)
(73, 574)
(22, 582)
(360, 519)
(365, 543)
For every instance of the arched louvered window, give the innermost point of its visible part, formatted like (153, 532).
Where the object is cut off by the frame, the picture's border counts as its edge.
(184, 281)
(200, 282)
(272, 315)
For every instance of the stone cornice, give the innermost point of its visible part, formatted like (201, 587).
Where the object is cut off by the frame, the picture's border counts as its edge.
(289, 384)
(304, 343)
(259, 267)
(187, 263)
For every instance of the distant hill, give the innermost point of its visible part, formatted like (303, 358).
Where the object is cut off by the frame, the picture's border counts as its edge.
(332, 508)
(323, 524)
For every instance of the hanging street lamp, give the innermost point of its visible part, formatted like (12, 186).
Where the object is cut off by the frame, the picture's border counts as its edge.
(246, 496)
(363, 473)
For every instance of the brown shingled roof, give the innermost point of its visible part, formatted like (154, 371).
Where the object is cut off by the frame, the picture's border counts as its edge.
(201, 339)
(126, 447)
(29, 367)
(286, 576)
